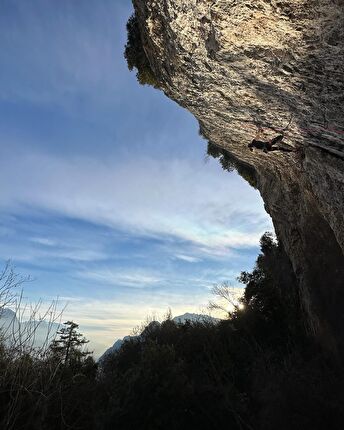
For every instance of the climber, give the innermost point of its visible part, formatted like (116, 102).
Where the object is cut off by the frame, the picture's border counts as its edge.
(267, 146)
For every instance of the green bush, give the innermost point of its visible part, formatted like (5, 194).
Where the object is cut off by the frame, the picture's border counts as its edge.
(229, 163)
(136, 56)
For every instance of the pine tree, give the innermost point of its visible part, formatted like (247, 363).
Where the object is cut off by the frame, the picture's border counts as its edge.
(68, 346)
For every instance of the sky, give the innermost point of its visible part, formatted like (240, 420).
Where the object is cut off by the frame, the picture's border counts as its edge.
(107, 198)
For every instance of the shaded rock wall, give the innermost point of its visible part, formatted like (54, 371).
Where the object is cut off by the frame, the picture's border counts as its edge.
(241, 66)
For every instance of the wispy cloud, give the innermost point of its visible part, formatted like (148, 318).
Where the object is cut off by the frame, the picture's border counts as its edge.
(126, 194)
(103, 199)
(128, 278)
(188, 258)
(43, 241)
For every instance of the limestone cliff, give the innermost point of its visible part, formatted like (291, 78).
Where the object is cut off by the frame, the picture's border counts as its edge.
(240, 66)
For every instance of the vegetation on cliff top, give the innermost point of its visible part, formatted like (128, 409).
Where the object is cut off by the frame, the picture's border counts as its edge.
(136, 57)
(229, 163)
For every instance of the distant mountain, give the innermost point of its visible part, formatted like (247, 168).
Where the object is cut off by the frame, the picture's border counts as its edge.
(115, 347)
(7, 314)
(36, 333)
(8, 321)
(181, 319)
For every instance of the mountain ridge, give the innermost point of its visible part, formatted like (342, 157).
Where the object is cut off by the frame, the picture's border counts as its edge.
(180, 319)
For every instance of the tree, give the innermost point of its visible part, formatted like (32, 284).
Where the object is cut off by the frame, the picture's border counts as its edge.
(69, 345)
(230, 162)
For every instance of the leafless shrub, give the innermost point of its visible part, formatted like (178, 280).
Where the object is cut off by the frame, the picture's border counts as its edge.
(26, 373)
(227, 299)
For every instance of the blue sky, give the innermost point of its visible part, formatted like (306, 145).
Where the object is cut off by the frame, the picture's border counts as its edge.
(107, 199)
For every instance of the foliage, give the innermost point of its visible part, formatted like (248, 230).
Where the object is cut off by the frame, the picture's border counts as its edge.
(47, 387)
(69, 343)
(41, 393)
(136, 57)
(258, 369)
(229, 163)
(167, 381)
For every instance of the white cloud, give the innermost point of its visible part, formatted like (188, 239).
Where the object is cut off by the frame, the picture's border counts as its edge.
(129, 278)
(43, 241)
(188, 258)
(210, 212)
(189, 201)
(22, 253)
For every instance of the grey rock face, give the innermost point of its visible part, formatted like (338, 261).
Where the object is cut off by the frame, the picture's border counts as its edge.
(265, 64)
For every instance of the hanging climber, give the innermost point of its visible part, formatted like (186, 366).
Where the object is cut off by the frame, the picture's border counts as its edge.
(267, 146)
